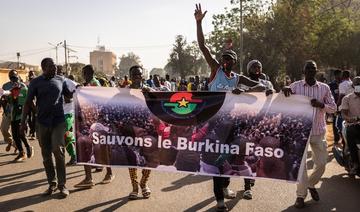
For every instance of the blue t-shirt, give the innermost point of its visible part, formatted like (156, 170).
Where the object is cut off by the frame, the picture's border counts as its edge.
(49, 99)
(221, 82)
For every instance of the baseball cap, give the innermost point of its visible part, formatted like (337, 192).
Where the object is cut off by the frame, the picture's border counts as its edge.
(230, 53)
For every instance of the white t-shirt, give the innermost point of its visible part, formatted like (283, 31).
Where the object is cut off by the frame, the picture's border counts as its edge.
(168, 85)
(345, 87)
(69, 107)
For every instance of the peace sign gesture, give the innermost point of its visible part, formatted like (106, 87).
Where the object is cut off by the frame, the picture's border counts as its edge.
(199, 15)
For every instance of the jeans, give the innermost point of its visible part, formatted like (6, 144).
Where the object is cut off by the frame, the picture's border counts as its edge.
(18, 137)
(31, 122)
(335, 130)
(51, 140)
(353, 139)
(248, 183)
(219, 184)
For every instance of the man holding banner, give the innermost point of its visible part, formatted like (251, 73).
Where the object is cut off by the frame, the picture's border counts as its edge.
(323, 102)
(222, 78)
(136, 79)
(88, 74)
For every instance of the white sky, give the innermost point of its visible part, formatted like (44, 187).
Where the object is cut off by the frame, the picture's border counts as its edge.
(145, 27)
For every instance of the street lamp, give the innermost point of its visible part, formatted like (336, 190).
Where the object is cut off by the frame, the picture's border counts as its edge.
(56, 48)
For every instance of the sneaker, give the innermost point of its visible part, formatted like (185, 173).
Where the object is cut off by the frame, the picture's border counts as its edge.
(71, 162)
(85, 184)
(49, 191)
(221, 207)
(353, 169)
(21, 156)
(108, 179)
(228, 193)
(64, 192)
(299, 203)
(8, 147)
(30, 153)
(314, 194)
(247, 194)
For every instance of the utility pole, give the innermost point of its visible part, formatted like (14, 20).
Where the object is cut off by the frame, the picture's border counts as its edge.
(18, 59)
(66, 65)
(56, 49)
(67, 57)
(241, 38)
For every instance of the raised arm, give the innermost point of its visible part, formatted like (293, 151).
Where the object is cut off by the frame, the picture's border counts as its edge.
(214, 65)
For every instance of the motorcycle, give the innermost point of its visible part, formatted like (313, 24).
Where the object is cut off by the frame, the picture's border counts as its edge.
(343, 156)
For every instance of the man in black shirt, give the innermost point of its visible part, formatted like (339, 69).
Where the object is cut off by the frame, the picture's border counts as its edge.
(48, 89)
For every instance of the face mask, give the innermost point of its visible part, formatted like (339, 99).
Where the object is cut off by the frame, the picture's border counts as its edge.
(357, 89)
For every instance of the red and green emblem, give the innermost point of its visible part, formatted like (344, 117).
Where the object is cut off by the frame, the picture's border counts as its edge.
(182, 103)
(184, 108)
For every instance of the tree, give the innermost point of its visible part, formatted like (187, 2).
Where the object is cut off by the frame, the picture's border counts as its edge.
(186, 59)
(285, 33)
(76, 69)
(158, 71)
(126, 61)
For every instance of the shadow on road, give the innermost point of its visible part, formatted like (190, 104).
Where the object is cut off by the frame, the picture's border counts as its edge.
(118, 203)
(187, 180)
(7, 154)
(230, 203)
(20, 175)
(200, 205)
(337, 193)
(19, 203)
(15, 185)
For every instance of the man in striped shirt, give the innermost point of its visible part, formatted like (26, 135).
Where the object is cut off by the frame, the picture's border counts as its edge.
(323, 102)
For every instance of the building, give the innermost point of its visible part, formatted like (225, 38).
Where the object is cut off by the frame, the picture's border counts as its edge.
(103, 61)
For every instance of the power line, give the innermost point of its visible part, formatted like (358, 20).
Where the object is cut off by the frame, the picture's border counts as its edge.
(125, 47)
(28, 54)
(23, 51)
(39, 52)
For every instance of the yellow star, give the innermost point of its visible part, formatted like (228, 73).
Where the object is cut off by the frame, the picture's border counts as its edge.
(183, 103)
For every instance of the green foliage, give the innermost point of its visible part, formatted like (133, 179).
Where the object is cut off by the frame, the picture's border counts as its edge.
(186, 59)
(76, 71)
(126, 61)
(283, 34)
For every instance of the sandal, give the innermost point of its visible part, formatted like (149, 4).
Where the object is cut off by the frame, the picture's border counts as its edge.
(146, 192)
(133, 195)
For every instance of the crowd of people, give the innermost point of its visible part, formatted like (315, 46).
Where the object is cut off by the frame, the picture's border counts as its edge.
(48, 99)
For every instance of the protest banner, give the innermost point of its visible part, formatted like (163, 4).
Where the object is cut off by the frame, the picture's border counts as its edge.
(207, 133)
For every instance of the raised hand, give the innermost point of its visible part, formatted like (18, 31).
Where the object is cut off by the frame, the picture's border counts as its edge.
(199, 15)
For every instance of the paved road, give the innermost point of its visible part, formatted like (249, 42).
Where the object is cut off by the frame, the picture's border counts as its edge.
(21, 184)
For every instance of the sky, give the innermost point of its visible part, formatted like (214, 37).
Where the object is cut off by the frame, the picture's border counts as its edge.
(145, 27)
